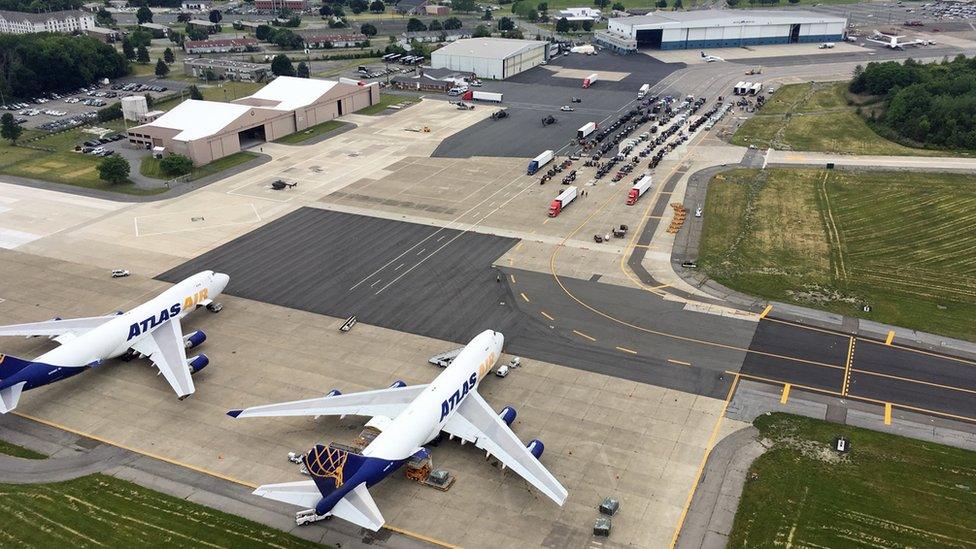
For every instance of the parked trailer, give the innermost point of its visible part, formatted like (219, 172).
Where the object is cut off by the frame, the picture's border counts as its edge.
(640, 187)
(586, 130)
(590, 80)
(642, 92)
(742, 88)
(539, 161)
(756, 89)
(487, 96)
(561, 201)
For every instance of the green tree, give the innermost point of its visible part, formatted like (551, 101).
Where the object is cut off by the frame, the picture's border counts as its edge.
(302, 71)
(114, 169)
(505, 24)
(9, 129)
(325, 10)
(194, 92)
(358, 6)
(175, 165)
(463, 5)
(602, 3)
(168, 55)
(177, 37)
(196, 33)
(128, 51)
(481, 31)
(142, 55)
(263, 32)
(587, 25)
(111, 112)
(104, 19)
(162, 69)
(368, 29)
(618, 6)
(732, 3)
(487, 16)
(542, 7)
(664, 3)
(281, 66)
(215, 16)
(677, 4)
(183, 17)
(452, 23)
(435, 25)
(377, 6)
(144, 15)
(415, 25)
(563, 25)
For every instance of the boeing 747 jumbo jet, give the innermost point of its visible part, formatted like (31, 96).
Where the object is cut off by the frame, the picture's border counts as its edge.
(408, 417)
(150, 330)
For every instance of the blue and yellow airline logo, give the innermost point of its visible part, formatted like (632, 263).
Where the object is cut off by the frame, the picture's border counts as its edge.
(469, 384)
(143, 326)
(324, 462)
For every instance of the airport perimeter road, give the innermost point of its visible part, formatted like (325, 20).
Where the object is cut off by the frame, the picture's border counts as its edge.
(921, 163)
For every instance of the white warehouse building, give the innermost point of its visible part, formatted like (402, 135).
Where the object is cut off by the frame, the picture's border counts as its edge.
(702, 29)
(497, 58)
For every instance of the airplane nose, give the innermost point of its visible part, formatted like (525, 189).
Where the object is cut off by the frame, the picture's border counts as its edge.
(499, 340)
(221, 280)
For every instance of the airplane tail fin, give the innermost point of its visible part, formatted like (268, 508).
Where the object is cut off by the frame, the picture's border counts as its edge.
(10, 365)
(331, 467)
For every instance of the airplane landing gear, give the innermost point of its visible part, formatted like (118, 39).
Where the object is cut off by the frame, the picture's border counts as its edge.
(215, 307)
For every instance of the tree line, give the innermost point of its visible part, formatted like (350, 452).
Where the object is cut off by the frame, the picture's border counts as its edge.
(31, 64)
(932, 103)
(39, 6)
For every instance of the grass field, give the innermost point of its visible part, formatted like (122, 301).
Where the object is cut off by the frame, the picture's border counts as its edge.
(902, 243)
(888, 492)
(150, 166)
(19, 451)
(298, 138)
(386, 100)
(101, 510)
(816, 117)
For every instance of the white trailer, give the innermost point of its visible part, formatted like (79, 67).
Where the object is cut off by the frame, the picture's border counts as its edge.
(539, 161)
(590, 80)
(741, 88)
(487, 96)
(642, 92)
(756, 88)
(561, 201)
(640, 187)
(586, 130)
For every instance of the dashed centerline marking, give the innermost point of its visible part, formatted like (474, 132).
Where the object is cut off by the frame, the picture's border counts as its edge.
(547, 315)
(786, 394)
(581, 334)
(422, 251)
(378, 280)
(398, 267)
(681, 362)
(891, 336)
(626, 350)
(765, 311)
(525, 297)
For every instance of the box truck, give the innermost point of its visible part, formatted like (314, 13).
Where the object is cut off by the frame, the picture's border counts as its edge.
(640, 187)
(756, 88)
(642, 92)
(561, 201)
(539, 161)
(590, 80)
(486, 96)
(741, 88)
(586, 130)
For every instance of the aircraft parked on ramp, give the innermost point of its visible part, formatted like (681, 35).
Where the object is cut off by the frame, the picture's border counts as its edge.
(408, 417)
(150, 330)
(710, 58)
(890, 41)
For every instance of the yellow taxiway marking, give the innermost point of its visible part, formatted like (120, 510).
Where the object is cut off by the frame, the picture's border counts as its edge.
(681, 362)
(701, 466)
(546, 221)
(847, 367)
(765, 311)
(524, 297)
(626, 350)
(890, 338)
(786, 393)
(581, 334)
(512, 277)
(547, 315)
(518, 246)
(887, 413)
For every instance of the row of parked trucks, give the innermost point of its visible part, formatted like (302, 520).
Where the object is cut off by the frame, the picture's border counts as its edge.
(747, 88)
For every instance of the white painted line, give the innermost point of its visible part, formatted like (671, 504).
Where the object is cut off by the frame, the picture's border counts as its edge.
(375, 283)
(398, 266)
(422, 251)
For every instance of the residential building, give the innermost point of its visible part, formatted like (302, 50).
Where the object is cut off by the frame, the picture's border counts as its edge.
(17, 22)
(222, 45)
(225, 69)
(336, 40)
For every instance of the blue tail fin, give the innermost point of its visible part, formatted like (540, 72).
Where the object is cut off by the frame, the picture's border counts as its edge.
(332, 467)
(10, 365)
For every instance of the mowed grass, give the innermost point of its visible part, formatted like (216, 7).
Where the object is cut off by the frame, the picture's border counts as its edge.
(10, 449)
(816, 117)
(298, 138)
(902, 243)
(100, 510)
(386, 101)
(150, 166)
(888, 491)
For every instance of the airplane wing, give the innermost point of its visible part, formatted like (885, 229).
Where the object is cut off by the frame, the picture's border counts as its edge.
(165, 348)
(56, 328)
(382, 402)
(476, 422)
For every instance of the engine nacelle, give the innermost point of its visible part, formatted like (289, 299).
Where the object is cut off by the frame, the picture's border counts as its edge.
(535, 447)
(397, 384)
(197, 363)
(334, 392)
(193, 339)
(508, 415)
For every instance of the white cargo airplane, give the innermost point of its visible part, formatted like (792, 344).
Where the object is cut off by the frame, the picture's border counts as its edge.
(710, 58)
(150, 330)
(408, 417)
(892, 42)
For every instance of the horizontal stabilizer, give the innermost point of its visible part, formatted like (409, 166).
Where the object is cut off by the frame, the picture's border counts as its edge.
(303, 493)
(359, 508)
(9, 397)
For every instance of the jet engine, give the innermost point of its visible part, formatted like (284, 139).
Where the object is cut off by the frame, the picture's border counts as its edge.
(193, 339)
(535, 447)
(197, 363)
(508, 415)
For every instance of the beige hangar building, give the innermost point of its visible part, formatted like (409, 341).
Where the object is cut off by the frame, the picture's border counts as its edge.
(496, 58)
(207, 130)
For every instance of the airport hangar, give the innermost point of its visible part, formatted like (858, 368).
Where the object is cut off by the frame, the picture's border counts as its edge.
(207, 130)
(720, 29)
(497, 58)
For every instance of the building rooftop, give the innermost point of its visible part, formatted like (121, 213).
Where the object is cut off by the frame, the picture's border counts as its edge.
(217, 62)
(198, 119)
(288, 92)
(153, 26)
(220, 42)
(491, 48)
(706, 18)
(42, 17)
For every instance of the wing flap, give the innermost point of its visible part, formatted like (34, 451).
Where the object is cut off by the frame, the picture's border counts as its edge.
(53, 328)
(166, 350)
(476, 422)
(381, 402)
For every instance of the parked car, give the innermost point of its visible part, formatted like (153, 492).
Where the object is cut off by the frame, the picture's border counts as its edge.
(120, 273)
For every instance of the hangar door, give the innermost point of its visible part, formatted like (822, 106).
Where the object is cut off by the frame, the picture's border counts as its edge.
(649, 38)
